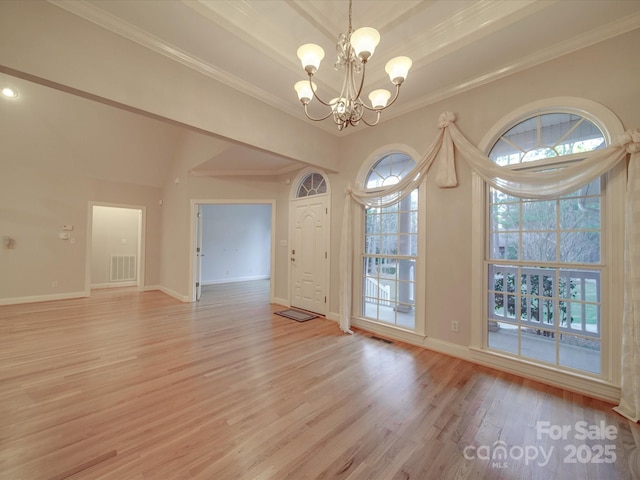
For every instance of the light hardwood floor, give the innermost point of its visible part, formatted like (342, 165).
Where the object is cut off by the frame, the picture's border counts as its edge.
(128, 385)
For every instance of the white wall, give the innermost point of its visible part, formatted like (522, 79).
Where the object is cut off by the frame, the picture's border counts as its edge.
(114, 232)
(236, 243)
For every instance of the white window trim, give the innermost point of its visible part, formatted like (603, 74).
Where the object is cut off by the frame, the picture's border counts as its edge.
(608, 384)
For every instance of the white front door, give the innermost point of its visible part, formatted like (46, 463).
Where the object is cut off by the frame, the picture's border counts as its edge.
(308, 253)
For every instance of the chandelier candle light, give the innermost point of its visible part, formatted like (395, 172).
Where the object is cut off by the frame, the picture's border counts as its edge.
(353, 52)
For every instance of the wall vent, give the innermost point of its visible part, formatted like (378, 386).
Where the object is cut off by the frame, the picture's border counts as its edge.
(381, 339)
(123, 268)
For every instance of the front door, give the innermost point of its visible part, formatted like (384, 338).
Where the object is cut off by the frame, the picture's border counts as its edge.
(308, 253)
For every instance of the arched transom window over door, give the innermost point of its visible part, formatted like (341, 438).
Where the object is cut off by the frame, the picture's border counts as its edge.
(312, 184)
(390, 248)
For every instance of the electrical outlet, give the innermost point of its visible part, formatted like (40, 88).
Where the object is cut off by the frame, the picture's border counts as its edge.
(454, 326)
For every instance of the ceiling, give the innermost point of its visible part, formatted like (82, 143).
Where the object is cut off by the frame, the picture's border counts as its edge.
(455, 45)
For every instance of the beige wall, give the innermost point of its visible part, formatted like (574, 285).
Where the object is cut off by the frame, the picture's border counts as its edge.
(42, 40)
(35, 204)
(603, 73)
(181, 187)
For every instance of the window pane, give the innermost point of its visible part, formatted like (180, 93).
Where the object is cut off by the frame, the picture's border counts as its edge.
(580, 353)
(546, 136)
(580, 247)
(389, 223)
(539, 154)
(538, 215)
(505, 217)
(503, 336)
(389, 170)
(388, 245)
(579, 213)
(372, 244)
(372, 220)
(408, 245)
(504, 246)
(413, 222)
(539, 247)
(523, 136)
(538, 344)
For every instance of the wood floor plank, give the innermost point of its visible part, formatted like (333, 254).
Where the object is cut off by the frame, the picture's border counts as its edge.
(130, 385)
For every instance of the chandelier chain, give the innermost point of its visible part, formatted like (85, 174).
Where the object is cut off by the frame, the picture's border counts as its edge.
(350, 28)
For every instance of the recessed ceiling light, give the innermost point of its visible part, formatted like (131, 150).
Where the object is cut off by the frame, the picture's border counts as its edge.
(9, 92)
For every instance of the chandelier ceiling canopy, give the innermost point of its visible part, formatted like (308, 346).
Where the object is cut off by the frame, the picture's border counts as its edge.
(353, 52)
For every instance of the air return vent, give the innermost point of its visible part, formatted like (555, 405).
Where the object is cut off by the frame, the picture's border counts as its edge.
(123, 268)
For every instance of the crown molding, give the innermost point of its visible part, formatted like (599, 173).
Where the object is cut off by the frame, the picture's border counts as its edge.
(579, 42)
(481, 18)
(128, 31)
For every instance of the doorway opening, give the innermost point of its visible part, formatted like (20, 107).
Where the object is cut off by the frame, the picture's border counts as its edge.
(115, 246)
(232, 241)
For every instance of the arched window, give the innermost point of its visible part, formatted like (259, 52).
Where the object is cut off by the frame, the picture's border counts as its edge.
(545, 260)
(312, 184)
(390, 247)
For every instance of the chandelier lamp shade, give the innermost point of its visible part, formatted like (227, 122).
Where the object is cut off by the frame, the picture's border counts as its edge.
(353, 53)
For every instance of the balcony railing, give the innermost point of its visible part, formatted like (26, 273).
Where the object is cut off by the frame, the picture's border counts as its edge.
(535, 297)
(374, 289)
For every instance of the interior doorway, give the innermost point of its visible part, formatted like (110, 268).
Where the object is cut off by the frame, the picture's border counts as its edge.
(232, 241)
(115, 246)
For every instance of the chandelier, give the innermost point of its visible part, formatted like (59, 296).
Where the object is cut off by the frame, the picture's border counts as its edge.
(353, 52)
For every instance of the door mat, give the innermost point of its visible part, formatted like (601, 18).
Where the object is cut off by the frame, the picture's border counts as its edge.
(296, 315)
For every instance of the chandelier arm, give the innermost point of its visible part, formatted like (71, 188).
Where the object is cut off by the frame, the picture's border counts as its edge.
(316, 96)
(374, 123)
(379, 109)
(306, 112)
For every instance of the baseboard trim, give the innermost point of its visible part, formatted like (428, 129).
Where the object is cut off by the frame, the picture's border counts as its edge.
(236, 280)
(174, 294)
(583, 385)
(333, 316)
(43, 298)
(281, 301)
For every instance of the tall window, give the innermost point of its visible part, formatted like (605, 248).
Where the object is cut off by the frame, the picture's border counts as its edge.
(544, 257)
(390, 248)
